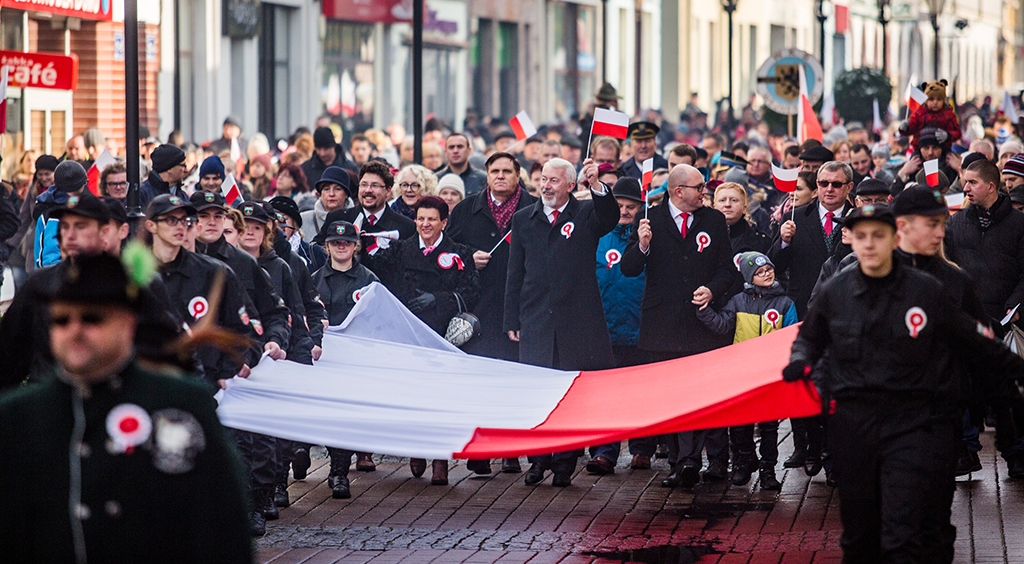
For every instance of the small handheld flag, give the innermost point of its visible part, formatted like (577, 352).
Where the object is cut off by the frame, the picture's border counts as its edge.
(610, 123)
(506, 239)
(876, 125)
(522, 126)
(229, 189)
(785, 179)
(1008, 109)
(931, 172)
(915, 98)
(645, 183)
(105, 159)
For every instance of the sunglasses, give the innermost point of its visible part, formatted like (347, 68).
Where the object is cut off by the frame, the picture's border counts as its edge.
(90, 318)
(834, 184)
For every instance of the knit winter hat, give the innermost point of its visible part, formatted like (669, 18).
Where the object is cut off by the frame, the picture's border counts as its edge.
(936, 90)
(1015, 165)
(452, 181)
(70, 177)
(750, 262)
(165, 157)
(212, 165)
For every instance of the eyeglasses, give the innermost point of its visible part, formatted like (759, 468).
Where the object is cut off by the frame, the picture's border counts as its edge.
(409, 185)
(697, 187)
(874, 199)
(835, 184)
(764, 272)
(117, 184)
(92, 318)
(175, 221)
(373, 186)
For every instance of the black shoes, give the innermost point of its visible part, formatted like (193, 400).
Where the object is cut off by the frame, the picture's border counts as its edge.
(257, 524)
(717, 471)
(766, 476)
(661, 452)
(301, 464)
(742, 467)
(534, 475)
(684, 477)
(511, 466)
(561, 480)
(482, 467)
(339, 486)
(418, 466)
(1015, 465)
(796, 460)
(812, 465)
(967, 462)
(281, 496)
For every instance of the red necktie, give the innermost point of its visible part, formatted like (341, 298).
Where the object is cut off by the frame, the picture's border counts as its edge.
(682, 229)
(371, 219)
(828, 223)
(554, 217)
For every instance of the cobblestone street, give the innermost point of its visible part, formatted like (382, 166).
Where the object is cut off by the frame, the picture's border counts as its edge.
(625, 517)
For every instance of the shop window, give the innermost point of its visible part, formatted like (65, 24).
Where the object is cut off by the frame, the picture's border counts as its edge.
(573, 59)
(274, 48)
(347, 83)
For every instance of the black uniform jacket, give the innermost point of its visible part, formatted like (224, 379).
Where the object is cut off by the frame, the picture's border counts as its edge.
(551, 294)
(897, 335)
(270, 308)
(311, 302)
(675, 268)
(805, 254)
(300, 344)
(472, 224)
(189, 280)
(631, 168)
(338, 289)
(994, 258)
(177, 497)
(448, 270)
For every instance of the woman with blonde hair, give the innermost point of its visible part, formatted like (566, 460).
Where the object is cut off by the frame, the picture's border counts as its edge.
(412, 183)
(841, 149)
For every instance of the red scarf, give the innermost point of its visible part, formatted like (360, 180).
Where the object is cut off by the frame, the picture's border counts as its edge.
(503, 212)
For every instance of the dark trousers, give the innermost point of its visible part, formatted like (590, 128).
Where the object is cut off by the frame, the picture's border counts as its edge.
(559, 462)
(644, 445)
(259, 459)
(897, 462)
(742, 440)
(341, 460)
(687, 448)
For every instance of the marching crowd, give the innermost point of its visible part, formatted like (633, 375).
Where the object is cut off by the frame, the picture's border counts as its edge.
(551, 252)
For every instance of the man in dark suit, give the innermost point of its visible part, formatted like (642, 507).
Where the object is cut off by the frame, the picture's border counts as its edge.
(372, 214)
(684, 248)
(804, 243)
(643, 137)
(552, 301)
(481, 221)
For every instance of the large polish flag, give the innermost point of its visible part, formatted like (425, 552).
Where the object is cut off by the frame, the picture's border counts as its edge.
(808, 126)
(785, 178)
(610, 123)
(522, 126)
(401, 389)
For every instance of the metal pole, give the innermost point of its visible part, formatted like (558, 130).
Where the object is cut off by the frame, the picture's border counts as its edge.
(935, 27)
(637, 59)
(131, 111)
(885, 46)
(604, 41)
(417, 80)
(731, 113)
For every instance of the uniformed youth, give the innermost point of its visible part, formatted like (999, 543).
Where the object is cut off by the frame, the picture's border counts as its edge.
(150, 475)
(892, 334)
(191, 280)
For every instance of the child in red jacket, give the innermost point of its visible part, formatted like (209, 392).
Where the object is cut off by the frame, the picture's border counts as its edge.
(935, 113)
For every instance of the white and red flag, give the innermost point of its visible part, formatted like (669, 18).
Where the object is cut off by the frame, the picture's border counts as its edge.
(931, 172)
(915, 98)
(610, 123)
(785, 178)
(1008, 109)
(808, 126)
(3, 99)
(105, 159)
(646, 178)
(522, 126)
(230, 190)
(425, 398)
(877, 125)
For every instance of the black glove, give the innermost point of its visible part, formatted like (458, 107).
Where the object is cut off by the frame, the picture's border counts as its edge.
(421, 302)
(796, 371)
(904, 128)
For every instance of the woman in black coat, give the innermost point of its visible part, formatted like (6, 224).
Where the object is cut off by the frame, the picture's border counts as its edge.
(435, 278)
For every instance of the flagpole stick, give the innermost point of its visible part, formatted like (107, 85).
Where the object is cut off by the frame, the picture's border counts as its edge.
(513, 146)
(498, 245)
(590, 137)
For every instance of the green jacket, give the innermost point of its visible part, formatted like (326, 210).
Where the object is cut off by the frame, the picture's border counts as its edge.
(173, 494)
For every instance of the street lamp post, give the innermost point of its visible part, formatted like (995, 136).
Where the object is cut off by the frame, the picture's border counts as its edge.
(935, 8)
(730, 7)
(883, 19)
(819, 12)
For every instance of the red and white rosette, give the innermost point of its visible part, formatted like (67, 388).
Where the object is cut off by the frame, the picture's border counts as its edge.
(772, 317)
(198, 307)
(612, 257)
(703, 241)
(128, 426)
(567, 229)
(448, 260)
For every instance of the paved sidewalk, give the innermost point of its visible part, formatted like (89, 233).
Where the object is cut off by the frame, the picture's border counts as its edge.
(625, 517)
